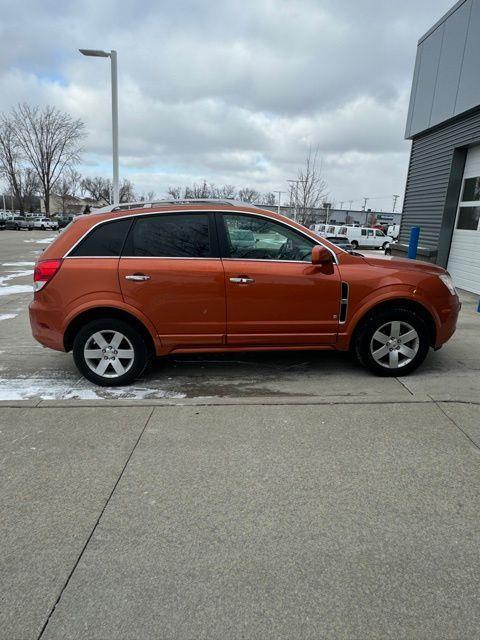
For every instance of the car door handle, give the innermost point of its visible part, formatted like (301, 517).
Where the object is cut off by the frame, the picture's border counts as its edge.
(138, 277)
(242, 280)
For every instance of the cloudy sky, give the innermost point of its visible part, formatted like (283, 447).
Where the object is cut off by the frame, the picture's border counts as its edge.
(234, 92)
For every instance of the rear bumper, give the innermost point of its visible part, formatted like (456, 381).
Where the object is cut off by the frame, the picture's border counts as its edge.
(43, 326)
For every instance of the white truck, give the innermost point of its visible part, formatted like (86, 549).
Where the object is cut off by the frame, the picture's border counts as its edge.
(365, 237)
(44, 223)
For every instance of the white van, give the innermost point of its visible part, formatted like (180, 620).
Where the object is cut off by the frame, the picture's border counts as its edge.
(394, 231)
(365, 237)
(318, 228)
(332, 229)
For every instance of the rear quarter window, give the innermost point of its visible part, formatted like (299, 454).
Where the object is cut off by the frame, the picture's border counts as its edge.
(104, 241)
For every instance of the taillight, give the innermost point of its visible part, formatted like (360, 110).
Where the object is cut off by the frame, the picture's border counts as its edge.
(44, 272)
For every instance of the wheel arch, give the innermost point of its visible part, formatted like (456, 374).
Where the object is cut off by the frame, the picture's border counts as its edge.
(105, 312)
(391, 303)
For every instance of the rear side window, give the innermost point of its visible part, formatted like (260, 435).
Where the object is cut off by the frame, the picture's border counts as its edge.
(170, 236)
(104, 241)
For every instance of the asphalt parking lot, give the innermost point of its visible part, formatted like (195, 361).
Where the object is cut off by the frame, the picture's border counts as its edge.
(247, 496)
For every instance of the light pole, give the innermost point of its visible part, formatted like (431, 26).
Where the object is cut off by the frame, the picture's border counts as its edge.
(96, 53)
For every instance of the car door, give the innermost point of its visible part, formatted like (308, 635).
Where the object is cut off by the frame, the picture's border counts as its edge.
(275, 296)
(371, 242)
(170, 270)
(379, 238)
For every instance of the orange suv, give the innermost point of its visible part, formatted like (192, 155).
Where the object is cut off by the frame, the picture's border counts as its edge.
(123, 285)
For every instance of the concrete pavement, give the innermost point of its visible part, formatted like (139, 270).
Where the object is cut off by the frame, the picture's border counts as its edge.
(255, 522)
(246, 496)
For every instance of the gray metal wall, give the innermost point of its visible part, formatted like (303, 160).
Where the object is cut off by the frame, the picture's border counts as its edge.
(433, 184)
(446, 77)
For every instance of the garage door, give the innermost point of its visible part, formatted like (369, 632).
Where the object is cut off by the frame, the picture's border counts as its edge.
(464, 258)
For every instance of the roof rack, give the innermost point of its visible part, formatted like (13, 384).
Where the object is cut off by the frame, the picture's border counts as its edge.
(148, 204)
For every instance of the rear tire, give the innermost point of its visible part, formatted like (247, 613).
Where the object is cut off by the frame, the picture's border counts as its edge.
(392, 342)
(98, 349)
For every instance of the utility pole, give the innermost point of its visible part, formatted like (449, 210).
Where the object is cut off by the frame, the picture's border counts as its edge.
(341, 204)
(279, 198)
(296, 183)
(365, 200)
(395, 198)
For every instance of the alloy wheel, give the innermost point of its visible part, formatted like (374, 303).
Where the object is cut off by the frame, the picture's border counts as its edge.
(109, 354)
(395, 344)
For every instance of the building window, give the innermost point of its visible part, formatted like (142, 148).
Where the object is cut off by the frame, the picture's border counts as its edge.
(468, 218)
(471, 190)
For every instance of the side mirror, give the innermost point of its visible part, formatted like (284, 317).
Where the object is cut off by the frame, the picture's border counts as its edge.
(321, 255)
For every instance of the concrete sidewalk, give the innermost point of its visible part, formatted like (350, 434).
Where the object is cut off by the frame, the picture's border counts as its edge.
(256, 522)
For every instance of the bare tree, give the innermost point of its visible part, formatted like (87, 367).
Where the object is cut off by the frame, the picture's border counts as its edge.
(269, 198)
(67, 186)
(50, 140)
(127, 191)
(228, 191)
(249, 195)
(22, 180)
(98, 188)
(174, 192)
(310, 189)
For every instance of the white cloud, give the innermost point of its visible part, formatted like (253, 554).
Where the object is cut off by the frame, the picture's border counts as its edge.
(227, 91)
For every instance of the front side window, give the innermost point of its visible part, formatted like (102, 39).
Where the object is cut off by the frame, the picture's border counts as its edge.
(170, 236)
(104, 241)
(379, 233)
(256, 238)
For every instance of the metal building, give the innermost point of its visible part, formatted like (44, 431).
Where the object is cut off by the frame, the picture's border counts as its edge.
(443, 185)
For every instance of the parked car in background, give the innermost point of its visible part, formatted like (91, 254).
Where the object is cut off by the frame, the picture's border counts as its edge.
(19, 222)
(365, 237)
(120, 287)
(64, 221)
(389, 247)
(340, 241)
(44, 223)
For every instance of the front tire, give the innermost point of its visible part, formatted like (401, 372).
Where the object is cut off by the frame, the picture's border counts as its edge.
(392, 342)
(354, 244)
(110, 352)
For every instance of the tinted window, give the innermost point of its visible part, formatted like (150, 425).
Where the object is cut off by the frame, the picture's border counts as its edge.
(364, 232)
(170, 236)
(255, 238)
(105, 240)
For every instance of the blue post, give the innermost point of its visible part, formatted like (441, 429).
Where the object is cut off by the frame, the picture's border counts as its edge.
(413, 244)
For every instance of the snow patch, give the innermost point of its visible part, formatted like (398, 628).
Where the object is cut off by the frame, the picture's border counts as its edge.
(7, 316)
(16, 288)
(18, 264)
(42, 241)
(51, 387)
(15, 274)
